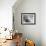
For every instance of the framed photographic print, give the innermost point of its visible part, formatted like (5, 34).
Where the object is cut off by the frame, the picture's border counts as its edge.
(28, 18)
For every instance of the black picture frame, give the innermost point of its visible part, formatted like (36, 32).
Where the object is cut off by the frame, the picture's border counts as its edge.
(28, 18)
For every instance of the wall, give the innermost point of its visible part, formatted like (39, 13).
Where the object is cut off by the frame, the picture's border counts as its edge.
(32, 32)
(6, 13)
(43, 22)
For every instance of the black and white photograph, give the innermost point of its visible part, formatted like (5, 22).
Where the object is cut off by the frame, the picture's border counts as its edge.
(28, 18)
